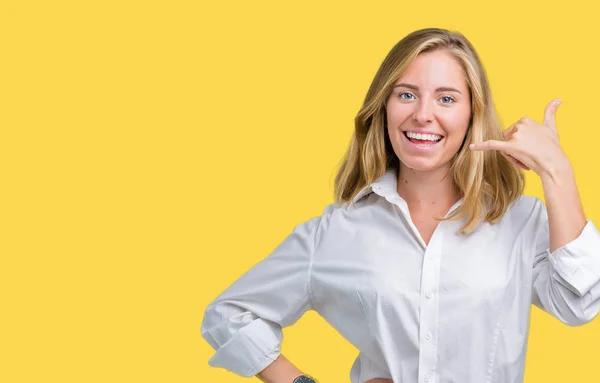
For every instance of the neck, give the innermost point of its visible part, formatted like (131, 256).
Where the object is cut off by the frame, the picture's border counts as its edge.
(427, 190)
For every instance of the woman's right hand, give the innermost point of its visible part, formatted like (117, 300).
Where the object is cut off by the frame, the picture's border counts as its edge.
(379, 380)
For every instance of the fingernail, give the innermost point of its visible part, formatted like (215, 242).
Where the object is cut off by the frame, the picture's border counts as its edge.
(471, 146)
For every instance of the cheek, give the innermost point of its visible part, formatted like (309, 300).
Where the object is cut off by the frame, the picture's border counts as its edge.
(397, 114)
(395, 133)
(395, 120)
(455, 124)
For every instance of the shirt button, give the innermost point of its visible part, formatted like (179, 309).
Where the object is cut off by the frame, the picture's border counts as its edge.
(426, 379)
(428, 336)
(429, 294)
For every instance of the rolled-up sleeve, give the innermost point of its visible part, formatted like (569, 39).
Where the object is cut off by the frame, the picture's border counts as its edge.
(566, 282)
(244, 323)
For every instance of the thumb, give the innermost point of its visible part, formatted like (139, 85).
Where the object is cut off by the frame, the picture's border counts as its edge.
(550, 113)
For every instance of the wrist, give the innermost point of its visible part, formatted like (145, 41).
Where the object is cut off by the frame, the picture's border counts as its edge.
(557, 171)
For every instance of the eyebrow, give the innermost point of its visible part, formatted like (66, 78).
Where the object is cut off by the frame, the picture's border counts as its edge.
(440, 89)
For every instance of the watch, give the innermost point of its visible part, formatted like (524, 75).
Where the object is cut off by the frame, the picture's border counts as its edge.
(305, 379)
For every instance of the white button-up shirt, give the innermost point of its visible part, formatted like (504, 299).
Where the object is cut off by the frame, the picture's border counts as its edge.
(454, 311)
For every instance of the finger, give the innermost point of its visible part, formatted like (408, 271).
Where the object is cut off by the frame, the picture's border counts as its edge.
(515, 161)
(520, 164)
(509, 132)
(510, 158)
(490, 145)
(550, 113)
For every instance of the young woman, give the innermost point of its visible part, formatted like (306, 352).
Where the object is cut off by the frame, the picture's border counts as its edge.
(430, 258)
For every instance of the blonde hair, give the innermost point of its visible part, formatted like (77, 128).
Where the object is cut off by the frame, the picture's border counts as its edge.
(487, 181)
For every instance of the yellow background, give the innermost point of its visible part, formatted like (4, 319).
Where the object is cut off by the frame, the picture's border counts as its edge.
(152, 151)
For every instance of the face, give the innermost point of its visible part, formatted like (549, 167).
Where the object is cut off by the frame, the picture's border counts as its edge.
(428, 112)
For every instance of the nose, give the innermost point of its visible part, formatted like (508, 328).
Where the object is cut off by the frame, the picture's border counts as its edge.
(423, 113)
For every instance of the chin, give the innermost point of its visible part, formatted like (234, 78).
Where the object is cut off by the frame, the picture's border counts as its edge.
(422, 164)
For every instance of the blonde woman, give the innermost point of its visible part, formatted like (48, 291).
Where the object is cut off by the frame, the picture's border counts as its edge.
(430, 258)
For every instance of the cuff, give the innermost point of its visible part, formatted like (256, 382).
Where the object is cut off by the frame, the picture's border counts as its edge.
(251, 350)
(578, 262)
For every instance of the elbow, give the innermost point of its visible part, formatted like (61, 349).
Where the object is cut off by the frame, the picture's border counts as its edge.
(575, 323)
(570, 306)
(244, 343)
(579, 318)
(210, 322)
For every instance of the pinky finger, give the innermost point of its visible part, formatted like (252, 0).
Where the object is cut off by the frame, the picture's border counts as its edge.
(515, 161)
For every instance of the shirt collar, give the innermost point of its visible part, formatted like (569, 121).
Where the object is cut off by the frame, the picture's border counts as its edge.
(385, 185)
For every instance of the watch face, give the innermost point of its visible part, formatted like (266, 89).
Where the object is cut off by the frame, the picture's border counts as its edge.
(304, 379)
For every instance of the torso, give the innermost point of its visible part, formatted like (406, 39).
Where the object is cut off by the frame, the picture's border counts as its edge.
(423, 215)
(425, 222)
(370, 280)
(426, 225)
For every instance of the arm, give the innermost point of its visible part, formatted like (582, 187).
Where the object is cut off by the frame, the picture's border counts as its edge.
(566, 269)
(244, 323)
(280, 371)
(565, 211)
(566, 281)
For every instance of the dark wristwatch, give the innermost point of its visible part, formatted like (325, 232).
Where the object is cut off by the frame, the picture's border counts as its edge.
(305, 379)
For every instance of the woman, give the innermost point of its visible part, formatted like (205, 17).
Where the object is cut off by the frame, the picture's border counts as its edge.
(430, 258)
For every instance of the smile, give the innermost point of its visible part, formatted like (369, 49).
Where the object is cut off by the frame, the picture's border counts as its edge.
(422, 141)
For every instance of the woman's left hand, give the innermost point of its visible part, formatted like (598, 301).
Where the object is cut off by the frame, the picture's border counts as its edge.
(529, 144)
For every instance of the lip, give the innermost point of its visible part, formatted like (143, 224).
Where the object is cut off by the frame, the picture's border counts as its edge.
(420, 147)
(418, 131)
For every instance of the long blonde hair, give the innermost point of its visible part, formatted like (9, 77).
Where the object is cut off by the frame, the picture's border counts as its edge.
(487, 181)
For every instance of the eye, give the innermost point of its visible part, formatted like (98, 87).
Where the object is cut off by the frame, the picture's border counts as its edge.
(447, 100)
(401, 95)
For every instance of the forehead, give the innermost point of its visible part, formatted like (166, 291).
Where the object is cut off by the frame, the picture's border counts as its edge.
(435, 69)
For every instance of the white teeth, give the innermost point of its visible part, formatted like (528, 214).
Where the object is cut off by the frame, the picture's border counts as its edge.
(419, 136)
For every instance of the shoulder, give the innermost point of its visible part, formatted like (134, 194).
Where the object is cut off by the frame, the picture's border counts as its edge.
(526, 207)
(317, 225)
(525, 215)
(330, 214)
(338, 220)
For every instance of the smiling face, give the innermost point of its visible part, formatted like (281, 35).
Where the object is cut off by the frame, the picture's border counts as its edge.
(428, 112)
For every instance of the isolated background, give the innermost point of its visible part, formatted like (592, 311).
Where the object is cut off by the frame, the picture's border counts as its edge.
(153, 151)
